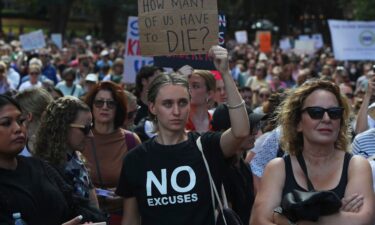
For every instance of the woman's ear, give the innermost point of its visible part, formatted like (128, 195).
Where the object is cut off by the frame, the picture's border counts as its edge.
(151, 108)
(29, 117)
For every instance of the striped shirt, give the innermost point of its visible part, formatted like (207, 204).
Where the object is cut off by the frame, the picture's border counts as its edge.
(364, 143)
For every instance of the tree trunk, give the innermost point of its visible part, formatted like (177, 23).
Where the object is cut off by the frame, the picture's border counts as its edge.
(59, 16)
(108, 18)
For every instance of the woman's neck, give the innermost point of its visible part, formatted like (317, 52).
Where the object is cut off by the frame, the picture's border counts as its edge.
(171, 138)
(104, 128)
(198, 112)
(318, 154)
(199, 117)
(9, 163)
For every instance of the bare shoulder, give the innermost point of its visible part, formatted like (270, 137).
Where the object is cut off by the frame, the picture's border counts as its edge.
(359, 163)
(275, 166)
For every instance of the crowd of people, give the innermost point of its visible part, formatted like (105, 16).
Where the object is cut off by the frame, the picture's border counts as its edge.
(78, 145)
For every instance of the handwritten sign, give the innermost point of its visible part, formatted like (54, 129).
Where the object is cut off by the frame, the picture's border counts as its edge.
(174, 27)
(33, 40)
(133, 60)
(197, 61)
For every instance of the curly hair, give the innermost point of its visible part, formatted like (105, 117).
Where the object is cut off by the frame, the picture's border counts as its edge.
(52, 135)
(290, 115)
(118, 96)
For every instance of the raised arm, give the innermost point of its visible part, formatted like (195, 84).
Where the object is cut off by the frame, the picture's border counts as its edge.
(233, 137)
(361, 123)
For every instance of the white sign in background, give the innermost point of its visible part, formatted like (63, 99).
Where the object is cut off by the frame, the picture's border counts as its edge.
(32, 40)
(57, 39)
(353, 40)
(241, 36)
(133, 60)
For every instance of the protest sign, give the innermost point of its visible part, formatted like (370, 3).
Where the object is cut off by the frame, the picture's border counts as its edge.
(353, 40)
(318, 39)
(133, 60)
(304, 47)
(304, 37)
(32, 40)
(284, 44)
(174, 27)
(265, 41)
(57, 39)
(241, 36)
(200, 61)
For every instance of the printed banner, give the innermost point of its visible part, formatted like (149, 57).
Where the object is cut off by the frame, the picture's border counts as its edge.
(353, 40)
(133, 60)
(33, 40)
(175, 27)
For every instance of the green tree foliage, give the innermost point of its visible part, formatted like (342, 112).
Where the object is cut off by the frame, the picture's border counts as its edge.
(364, 9)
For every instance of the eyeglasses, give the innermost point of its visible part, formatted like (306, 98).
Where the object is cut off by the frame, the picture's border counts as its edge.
(84, 128)
(100, 103)
(317, 113)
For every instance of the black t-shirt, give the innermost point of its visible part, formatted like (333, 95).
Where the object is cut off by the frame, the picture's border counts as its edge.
(170, 182)
(238, 184)
(28, 190)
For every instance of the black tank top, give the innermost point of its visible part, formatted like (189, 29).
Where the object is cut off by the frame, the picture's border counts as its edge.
(291, 183)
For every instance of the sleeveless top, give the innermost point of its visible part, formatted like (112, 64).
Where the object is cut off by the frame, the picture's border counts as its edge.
(291, 183)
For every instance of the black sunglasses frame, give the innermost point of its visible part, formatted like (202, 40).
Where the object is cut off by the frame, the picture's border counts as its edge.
(100, 103)
(317, 113)
(84, 128)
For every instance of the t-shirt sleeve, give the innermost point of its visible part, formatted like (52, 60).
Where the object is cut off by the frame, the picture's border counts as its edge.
(214, 155)
(127, 183)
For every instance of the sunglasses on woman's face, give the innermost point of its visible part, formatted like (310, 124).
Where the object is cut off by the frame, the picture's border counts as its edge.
(84, 128)
(317, 113)
(100, 103)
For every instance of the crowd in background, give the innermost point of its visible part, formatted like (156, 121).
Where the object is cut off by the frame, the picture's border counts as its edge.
(117, 114)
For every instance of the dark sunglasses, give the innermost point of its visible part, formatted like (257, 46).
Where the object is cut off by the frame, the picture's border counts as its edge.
(317, 113)
(84, 128)
(100, 103)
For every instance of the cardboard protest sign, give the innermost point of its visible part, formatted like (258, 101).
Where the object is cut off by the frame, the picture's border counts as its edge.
(265, 41)
(199, 61)
(133, 60)
(33, 40)
(57, 40)
(241, 36)
(174, 27)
